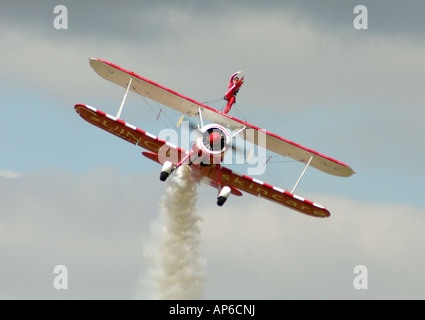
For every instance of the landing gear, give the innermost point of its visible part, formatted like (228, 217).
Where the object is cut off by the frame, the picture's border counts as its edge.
(167, 167)
(163, 176)
(223, 195)
(221, 201)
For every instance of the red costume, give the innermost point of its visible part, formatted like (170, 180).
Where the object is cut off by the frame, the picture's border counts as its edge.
(234, 85)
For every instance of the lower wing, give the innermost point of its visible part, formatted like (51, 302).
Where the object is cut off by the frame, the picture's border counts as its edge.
(130, 133)
(208, 175)
(262, 190)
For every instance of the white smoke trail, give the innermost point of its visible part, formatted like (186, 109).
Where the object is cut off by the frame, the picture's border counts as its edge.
(176, 267)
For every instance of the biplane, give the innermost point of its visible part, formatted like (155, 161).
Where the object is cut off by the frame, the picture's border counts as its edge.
(212, 141)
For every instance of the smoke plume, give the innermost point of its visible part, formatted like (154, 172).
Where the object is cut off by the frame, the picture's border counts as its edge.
(176, 268)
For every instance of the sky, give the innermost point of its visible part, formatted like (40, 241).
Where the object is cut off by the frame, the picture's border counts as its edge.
(73, 195)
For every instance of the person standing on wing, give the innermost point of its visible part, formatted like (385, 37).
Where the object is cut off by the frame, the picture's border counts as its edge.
(235, 83)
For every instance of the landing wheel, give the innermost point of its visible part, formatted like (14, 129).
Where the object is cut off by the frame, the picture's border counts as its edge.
(221, 201)
(223, 195)
(163, 176)
(166, 170)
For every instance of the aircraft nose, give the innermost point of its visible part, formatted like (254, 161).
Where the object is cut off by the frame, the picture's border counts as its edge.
(215, 139)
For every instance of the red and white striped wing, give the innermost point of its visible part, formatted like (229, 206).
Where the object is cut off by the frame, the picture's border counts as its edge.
(261, 189)
(130, 133)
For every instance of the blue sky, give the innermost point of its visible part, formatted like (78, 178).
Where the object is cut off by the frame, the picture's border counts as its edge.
(355, 95)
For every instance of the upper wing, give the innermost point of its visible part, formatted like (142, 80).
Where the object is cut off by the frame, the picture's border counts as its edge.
(130, 133)
(191, 108)
(145, 87)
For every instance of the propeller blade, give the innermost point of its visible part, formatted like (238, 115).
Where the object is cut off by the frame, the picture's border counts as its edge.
(192, 125)
(180, 121)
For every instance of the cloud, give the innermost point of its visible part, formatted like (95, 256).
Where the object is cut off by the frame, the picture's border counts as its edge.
(88, 223)
(97, 225)
(9, 174)
(266, 252)
(364, 68)
(163, 39)
(391, 17)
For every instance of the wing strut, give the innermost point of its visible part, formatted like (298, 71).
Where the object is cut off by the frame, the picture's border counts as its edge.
(302, 173)
(200, 118)
(123, 99)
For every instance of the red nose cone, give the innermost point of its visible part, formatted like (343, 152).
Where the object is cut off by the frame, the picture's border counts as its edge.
(215, 139)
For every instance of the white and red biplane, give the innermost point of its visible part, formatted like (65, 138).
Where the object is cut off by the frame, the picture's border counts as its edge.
(206, 156)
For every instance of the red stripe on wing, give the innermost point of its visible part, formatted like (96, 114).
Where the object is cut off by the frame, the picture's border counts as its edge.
(258, 188)
(129, 133)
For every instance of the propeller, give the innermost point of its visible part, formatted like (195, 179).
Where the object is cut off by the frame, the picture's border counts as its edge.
(195, 126)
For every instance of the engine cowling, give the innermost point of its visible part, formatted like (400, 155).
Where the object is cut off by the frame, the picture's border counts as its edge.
(212, 143)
